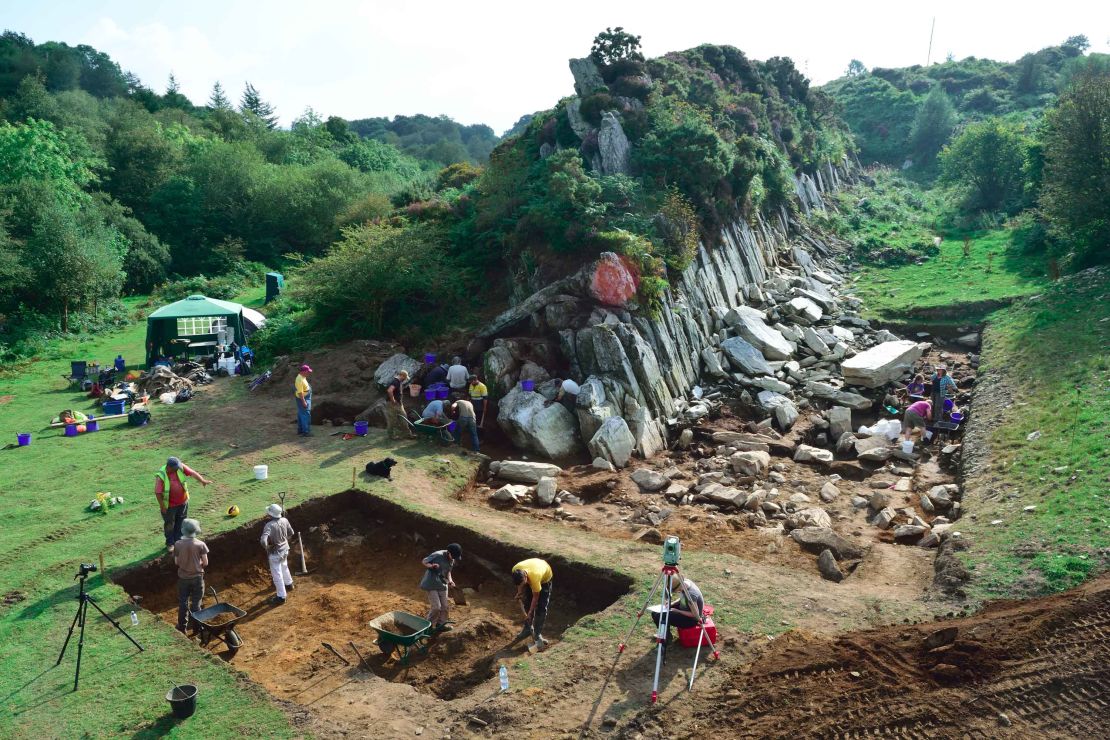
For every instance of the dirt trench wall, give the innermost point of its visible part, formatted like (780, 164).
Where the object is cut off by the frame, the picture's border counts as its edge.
(594, 588)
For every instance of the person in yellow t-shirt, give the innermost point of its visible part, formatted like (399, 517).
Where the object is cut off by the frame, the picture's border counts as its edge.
(302, 393)
(532, 578)
(478, 397)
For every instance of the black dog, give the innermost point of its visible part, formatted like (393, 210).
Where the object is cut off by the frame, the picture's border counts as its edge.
(381, 469)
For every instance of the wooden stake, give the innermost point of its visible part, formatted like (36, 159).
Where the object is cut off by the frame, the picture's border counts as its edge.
(102, 571)
(354, 468)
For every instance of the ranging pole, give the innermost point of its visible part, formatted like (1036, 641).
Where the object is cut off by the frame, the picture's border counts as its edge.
(929, 54)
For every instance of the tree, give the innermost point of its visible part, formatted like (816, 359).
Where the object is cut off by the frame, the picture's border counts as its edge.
(615, 45)
(855, 69)
(932, 125)
(1076, 193)
(252, 104)
(217, 100)
(986, 159)
(1076, 45)
(173, 97)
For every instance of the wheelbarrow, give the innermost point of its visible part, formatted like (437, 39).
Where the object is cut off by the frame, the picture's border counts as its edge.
(402, 632)
(218, 622)
(441, 433)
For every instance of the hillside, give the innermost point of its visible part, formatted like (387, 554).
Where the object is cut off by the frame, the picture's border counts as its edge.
(881, 105)
(436, 139)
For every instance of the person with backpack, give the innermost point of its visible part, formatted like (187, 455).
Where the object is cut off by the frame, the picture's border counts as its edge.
(171, 482)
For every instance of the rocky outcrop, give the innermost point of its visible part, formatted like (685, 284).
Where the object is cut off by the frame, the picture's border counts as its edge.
(550, 431)
(587, 77)
(612, 146)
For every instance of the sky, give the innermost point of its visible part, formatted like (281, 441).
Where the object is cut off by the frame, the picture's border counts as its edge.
(491, 62)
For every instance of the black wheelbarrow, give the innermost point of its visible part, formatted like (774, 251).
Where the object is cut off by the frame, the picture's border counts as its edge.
(218, 622)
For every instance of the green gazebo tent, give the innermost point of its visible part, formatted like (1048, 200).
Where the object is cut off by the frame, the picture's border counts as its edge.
(195, 322)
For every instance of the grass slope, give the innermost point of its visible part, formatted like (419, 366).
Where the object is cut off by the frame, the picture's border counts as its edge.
(47, 530)
(951, 287)
(1053, 353)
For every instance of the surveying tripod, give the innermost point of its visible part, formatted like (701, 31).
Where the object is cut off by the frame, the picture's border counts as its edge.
(672, 550)
(79, 619)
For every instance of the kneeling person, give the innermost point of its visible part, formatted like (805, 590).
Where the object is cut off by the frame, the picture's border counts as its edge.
(532, 578)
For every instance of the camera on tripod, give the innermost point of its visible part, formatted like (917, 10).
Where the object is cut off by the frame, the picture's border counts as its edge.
(86, 568)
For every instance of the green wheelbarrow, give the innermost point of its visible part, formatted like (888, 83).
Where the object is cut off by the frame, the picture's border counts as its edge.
(402, 632)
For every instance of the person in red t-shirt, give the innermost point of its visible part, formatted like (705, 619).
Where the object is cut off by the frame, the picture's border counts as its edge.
(172, 479)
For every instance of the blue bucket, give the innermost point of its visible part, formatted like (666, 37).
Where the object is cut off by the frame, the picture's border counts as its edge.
(92, 425)
(528, 385)
(443, 393)
(71, 430)
(429, 359)
(452, 427)
(430, 394)
(361, 427)
(957, 417)
(113, 407)
(24, 438)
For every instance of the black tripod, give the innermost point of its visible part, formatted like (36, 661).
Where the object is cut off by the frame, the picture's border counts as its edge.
(79, 618)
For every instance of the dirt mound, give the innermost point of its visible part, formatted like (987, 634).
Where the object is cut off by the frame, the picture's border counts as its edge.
(345, 371)
(1038, 668)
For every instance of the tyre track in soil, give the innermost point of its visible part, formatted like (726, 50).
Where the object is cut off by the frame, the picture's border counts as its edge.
(1044, 664)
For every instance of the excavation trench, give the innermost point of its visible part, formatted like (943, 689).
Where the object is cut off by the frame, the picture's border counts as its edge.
(364, 558)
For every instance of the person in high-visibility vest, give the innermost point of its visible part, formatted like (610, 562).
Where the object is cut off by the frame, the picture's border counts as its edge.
(172, 479)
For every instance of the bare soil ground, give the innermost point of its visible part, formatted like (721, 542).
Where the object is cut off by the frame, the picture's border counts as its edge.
(793, 660)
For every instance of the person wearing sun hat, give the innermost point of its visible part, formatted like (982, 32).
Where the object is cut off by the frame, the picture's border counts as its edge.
(302, 393)
(436, 580)
(276, 536)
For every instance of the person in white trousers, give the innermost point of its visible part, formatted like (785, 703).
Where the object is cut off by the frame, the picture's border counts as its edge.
(275, 540)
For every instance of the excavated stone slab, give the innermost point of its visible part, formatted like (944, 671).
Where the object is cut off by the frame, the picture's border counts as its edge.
(745, 356)
(881, 364)
(768, 341)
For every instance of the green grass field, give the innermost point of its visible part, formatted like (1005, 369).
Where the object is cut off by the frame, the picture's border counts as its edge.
(1054, 352)
(951, 287)
(46, 530)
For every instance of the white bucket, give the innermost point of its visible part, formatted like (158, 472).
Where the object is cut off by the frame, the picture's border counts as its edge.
(907, 447)
(261, 472)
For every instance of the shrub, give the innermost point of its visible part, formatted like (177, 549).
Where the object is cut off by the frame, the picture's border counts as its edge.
(594, 105)
(677, 226)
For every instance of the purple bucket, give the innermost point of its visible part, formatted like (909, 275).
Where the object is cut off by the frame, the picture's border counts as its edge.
(956, 417)
(71, 430)
(429, 359)
(443, 393)
(452, 427)
(430, 395)
(92, 425)
(361, 427)
(24, 438)
(948, 403)
(528, 385)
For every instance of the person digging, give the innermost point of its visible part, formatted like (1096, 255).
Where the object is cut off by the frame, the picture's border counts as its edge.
(191, 556)
(437, 579)
(532, 578)
(275, 540)
(173, 478)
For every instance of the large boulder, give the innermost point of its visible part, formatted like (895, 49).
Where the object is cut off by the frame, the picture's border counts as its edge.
(881, 364)
(814, 341)
(594, 407)
(744, 356)
(396, 363)
(545, 490)
(500, 369)
(613, 442)
(612, 145)
(551, 431)
(523, 471)
(819, 539)
(827, 567)
(770, 342)
(804, 309)
(587, 77)
(786, 414)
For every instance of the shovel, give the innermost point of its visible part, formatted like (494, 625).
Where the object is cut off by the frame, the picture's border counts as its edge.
(304, 568)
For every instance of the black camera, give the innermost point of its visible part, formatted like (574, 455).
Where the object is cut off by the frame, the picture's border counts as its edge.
(86, 568)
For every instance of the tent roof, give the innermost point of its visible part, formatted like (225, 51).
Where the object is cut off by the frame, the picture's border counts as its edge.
(197, 305)
(254, 317)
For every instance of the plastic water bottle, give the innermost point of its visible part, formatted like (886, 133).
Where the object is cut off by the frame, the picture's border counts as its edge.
(134, 619)
(503, 674)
